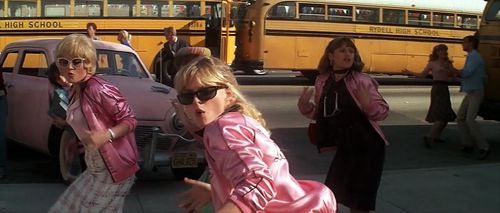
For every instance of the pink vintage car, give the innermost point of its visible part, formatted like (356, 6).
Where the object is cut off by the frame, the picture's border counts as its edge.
(159, 135)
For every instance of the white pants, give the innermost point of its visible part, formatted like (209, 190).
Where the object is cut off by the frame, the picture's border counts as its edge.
(466, 118)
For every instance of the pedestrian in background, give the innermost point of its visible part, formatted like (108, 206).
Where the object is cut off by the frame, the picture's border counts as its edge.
(249, 173)
(440, 111)
(473, 77)
(347, 107)
(124, 38)
(103, 120)
(92, 30)
(170, 48)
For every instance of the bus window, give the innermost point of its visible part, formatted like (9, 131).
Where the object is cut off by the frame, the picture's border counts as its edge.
(367, 14)
(442, 20)
(283, 10)
(22, 8)
(339, 13)
(1, 8)
(493, 13)
(149, 8)
(419, 18)
(391, 16)
(119, 8)
(312, 11)
(85, 8)
(467, 22)
(55, 8)
(186, 9)
(165, 10)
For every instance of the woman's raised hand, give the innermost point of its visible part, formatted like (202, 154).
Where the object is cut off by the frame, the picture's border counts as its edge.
(197, 197)
(305, 97)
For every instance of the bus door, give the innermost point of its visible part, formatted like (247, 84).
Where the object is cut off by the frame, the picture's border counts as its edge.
(220, 30)
(213, 27)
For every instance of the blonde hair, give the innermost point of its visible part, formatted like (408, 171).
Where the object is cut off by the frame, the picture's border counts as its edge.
(212, 72)
(127, 36)
(78, 46)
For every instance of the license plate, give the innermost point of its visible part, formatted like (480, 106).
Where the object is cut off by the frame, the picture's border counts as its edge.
(184, 160)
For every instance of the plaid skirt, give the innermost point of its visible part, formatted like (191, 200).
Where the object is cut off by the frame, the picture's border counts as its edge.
(440, 107)
(94, 190)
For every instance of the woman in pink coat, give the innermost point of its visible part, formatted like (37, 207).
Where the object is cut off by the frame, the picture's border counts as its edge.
(347, 107)
(103, 121)
(249, 171)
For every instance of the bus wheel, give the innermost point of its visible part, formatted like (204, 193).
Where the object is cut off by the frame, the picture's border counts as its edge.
(311, 75)
(69, 158)
(256, 72)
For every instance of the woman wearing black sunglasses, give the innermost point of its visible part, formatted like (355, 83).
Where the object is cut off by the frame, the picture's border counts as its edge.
(347, 107)
(249, 171)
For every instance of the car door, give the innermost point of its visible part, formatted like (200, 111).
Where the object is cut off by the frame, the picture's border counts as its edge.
(28, 99)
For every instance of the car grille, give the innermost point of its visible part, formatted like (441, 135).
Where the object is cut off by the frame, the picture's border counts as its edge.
(144, 134)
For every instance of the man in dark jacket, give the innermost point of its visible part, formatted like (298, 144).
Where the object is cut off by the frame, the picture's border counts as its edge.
(168, 52)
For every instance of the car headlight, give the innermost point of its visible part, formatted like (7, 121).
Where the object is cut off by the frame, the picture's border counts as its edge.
(176, 125)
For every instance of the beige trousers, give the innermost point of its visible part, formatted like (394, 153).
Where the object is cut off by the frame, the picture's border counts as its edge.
(466, 118)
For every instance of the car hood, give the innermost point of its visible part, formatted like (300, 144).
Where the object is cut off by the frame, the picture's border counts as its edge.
(149, 100)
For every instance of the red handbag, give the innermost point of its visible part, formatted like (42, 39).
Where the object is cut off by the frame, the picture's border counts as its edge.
(312, 133)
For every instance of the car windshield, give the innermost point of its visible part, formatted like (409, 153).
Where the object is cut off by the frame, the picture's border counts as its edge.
(119, 63)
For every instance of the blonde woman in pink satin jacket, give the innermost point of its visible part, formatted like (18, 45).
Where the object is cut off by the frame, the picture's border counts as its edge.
(249, 171)
(346, 108)
(103, 120)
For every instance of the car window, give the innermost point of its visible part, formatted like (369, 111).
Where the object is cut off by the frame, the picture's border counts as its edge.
(34, 64)
(9, 61)
(119, 63)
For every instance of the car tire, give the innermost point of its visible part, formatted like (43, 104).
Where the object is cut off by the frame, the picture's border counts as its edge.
(191, 173)
(70, 165)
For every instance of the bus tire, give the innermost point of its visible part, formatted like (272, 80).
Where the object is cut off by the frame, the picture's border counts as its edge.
(311, 75)
(256, 72)
(69, 158)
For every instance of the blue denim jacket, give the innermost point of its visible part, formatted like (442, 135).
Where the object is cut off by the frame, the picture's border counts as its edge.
(474, 73)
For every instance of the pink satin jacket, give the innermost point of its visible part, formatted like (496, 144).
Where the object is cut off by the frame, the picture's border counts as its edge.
(376, 111)
(104, 107)
(250, 170)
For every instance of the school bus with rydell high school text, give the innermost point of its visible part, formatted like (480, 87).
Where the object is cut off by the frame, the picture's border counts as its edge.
(390, 34)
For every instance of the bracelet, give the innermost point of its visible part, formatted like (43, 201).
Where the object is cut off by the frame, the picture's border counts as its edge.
(111, 135)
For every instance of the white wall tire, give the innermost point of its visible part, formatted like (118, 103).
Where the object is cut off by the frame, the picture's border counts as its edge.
(69, 158)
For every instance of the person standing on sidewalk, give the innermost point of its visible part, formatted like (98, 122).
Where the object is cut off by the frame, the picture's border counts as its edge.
(3, 120)
(473, 79)
(440, 111)
(347, 107)
(103, 120)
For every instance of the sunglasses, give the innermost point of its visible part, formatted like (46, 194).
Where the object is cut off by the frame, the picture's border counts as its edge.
(203, 94)
(336, 111)
(64, 62)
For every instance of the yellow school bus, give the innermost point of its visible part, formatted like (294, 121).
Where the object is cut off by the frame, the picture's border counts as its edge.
(200, 22)
(390, 34)
(489, 48)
